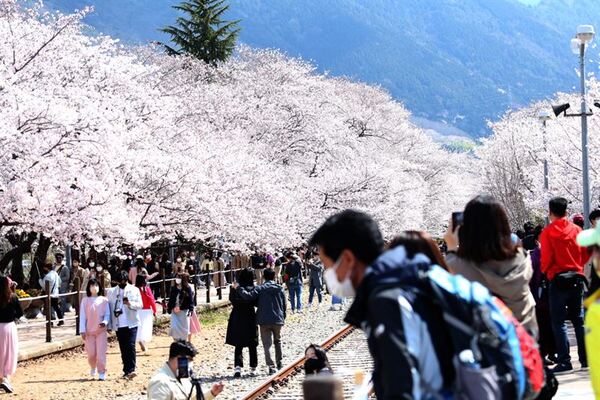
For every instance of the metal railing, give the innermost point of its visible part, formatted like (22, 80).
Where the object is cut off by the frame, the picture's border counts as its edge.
(77, 296)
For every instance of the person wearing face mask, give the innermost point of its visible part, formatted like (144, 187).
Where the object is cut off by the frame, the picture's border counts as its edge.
(93, 321)
(181, 306)
(64, 273)
(316, 361)
(125, 301)
(97, 271)
(172, 382)
(348, 244)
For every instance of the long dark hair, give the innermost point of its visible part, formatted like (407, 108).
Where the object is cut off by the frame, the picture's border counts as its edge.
(323, 361)
(140, 281)
(6, 293)
(485, 233)
(419, 242)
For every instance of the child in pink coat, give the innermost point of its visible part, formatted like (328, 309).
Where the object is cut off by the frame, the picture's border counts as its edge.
(94, 315)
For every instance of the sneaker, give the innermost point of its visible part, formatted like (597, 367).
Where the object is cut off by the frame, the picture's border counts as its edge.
(272, 371)
(6, 386)
(253, 371)
(562, 369)
(130, 375)
(584, 365)
(102, 376)
(61, 322)
(279, 366)
(93, 372)
(238, 372)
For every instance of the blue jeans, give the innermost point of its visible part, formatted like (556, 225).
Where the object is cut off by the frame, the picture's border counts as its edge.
(567, 304)
(311, 294)
(295, 296)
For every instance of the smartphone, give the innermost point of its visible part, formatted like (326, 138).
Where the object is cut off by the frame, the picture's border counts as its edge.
(183, 370)
(457, 220)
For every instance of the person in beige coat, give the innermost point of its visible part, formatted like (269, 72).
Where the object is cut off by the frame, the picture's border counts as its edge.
(166, 385)
(481, 250)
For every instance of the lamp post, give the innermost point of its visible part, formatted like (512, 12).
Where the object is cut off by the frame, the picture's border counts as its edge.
(585, 35)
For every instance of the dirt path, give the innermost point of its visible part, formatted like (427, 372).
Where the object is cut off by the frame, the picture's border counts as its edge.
(66, 375)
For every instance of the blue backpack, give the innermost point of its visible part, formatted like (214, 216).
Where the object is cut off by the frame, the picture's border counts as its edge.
(476, 324)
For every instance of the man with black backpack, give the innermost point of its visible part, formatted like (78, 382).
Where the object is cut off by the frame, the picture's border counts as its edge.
(562, 263)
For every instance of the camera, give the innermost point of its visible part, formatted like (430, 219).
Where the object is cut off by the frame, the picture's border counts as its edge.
(118, 312)
(183, 368)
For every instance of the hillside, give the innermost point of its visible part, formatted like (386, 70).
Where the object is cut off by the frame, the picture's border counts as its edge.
(458, 62)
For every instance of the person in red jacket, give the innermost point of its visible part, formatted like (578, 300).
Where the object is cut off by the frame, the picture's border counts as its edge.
(146, 314)
(562, 263)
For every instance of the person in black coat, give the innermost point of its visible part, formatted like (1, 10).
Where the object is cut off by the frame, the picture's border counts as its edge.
(242, 329)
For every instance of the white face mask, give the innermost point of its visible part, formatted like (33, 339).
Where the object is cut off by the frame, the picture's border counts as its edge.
(94, 290)
(178, 281)
(179, 260)
(99, 268)
(192, 257)
(92, 264)
(340, 289)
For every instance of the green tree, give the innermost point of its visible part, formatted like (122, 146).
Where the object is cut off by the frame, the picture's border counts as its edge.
(201, 32)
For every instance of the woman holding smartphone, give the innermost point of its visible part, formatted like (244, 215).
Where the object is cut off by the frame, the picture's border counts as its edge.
(181, 305)
(481, 250)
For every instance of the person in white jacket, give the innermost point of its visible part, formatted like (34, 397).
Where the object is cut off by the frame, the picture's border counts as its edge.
(53, 279)
(167, 384)
(124, 301)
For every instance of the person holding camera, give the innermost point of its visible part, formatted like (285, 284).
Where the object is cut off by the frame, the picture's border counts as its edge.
(176, 381)
(124, 301)
(480, 248)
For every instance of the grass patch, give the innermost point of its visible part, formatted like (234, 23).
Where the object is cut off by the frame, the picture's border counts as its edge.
(214, 317)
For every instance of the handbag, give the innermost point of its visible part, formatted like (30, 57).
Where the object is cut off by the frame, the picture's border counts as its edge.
(568, 280)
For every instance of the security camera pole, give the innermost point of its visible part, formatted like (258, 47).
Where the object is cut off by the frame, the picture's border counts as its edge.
(585, 35)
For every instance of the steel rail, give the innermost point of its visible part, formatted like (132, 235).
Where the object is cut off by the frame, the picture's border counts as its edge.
(294, 368)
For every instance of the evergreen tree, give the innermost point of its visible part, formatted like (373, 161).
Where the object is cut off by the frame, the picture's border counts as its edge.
(201, 32)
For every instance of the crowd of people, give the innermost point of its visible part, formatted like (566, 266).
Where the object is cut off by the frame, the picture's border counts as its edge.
(429, 312)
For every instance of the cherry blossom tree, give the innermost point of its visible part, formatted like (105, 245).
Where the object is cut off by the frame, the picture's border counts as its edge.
(107, 145)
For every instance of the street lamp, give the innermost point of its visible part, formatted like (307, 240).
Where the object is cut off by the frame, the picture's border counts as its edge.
(585, 35)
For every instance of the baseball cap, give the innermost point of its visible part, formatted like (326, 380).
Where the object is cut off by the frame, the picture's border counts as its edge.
(589, 237)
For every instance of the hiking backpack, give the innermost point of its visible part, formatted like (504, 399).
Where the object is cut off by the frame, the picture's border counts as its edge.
(476, 324)
(532, 359)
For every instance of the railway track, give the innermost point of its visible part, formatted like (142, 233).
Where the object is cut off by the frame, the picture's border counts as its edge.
(347, 352)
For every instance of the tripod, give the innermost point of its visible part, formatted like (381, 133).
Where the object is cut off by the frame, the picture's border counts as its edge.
(196, 384)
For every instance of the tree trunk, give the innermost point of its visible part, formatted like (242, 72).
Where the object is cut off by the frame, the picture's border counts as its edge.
(21, 244)
(38, 260)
